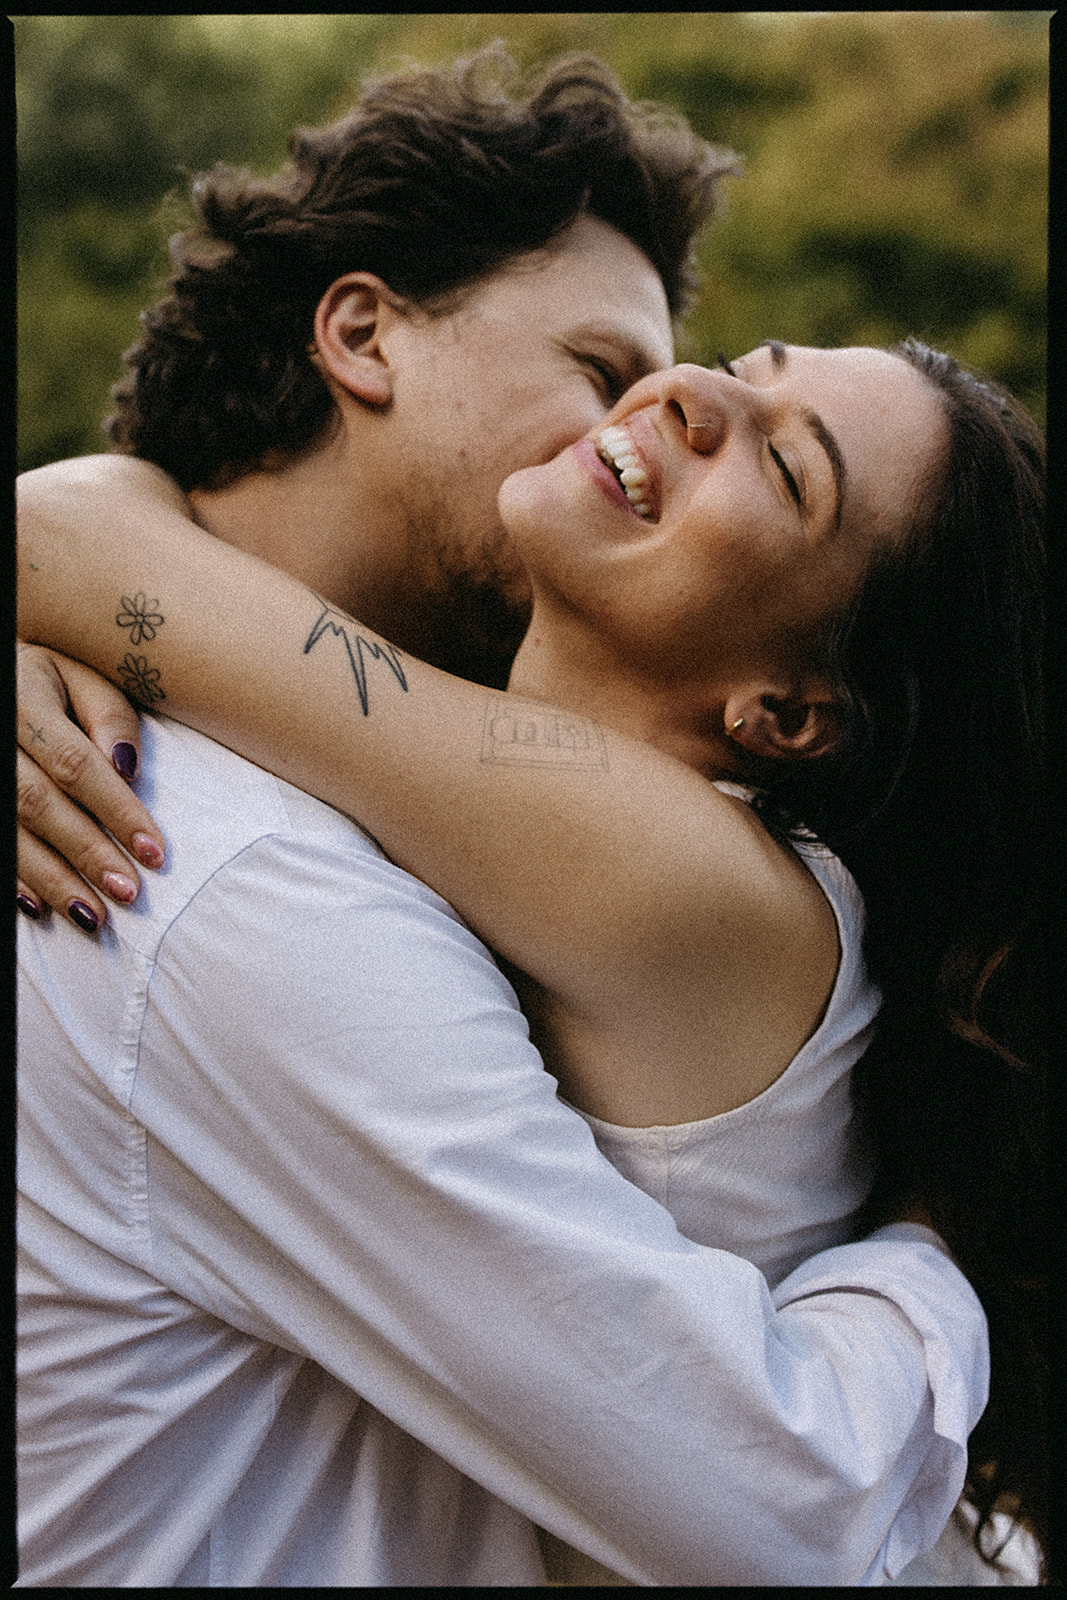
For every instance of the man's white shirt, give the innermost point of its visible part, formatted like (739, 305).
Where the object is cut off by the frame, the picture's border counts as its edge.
(321, 1285)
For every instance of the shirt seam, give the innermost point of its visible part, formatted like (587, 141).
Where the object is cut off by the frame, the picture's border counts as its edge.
(151, 963)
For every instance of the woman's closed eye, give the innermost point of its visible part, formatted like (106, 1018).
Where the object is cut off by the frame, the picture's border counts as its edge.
(790, 481)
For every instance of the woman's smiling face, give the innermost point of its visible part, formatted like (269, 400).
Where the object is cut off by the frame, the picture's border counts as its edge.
(722, 514)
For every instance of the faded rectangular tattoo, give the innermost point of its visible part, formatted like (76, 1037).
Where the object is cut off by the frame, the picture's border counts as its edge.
(528, 735)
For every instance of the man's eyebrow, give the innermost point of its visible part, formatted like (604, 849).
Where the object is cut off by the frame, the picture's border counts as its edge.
(819, 431)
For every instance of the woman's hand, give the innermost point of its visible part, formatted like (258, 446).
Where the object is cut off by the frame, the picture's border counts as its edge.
(80, 746)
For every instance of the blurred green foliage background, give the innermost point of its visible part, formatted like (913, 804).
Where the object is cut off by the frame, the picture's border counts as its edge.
(895, 168)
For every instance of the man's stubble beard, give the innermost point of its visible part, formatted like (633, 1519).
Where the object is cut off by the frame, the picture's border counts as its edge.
(478, 602)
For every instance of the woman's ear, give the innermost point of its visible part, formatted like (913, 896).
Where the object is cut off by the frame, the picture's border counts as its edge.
(350, 321)
(789, 727)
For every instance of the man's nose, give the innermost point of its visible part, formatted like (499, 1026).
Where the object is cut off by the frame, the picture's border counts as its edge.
(700, 398)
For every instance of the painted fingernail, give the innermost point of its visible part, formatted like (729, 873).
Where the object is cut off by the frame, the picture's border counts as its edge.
(83, 915)
(124, 759)
(146, 850)
(119, 887)
(28, 907)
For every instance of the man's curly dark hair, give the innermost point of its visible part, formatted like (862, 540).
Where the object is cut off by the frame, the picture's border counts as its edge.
(434, 180)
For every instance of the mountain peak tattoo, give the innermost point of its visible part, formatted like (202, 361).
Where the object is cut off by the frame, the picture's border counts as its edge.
(339, 625)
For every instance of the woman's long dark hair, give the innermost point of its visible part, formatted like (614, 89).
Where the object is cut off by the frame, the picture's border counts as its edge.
(937, 802)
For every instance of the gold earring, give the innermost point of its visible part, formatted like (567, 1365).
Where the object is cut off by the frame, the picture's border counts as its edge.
(731, 732)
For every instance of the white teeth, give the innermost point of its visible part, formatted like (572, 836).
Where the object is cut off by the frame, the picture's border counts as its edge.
(617, 448)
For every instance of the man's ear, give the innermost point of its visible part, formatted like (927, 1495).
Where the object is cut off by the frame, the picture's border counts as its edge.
(795, 726)
(350, 321)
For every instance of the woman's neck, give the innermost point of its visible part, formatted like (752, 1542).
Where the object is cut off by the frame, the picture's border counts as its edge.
(572, 668)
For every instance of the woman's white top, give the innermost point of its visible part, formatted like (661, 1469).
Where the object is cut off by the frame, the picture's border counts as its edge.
(781, 1177)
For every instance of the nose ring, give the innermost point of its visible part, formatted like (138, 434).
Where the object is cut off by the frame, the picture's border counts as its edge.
(700, 427)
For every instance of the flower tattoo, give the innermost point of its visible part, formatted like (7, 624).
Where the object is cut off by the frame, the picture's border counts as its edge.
(140, 681)
(140, 617)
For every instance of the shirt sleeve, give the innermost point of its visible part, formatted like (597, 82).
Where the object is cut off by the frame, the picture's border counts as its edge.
(355, 1153)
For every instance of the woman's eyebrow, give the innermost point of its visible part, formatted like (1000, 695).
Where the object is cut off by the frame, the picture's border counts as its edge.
(778, 352)
(819, 431)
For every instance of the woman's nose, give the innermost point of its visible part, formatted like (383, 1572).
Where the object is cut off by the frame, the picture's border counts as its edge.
(702, 400)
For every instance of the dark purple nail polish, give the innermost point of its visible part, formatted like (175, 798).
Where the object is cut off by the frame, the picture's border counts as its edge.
(28, 907)
(83, 915)
(124, 760)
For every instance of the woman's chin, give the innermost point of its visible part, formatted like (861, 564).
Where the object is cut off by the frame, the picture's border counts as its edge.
(523, 493)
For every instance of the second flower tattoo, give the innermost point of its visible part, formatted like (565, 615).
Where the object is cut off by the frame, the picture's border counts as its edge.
(140, 681)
